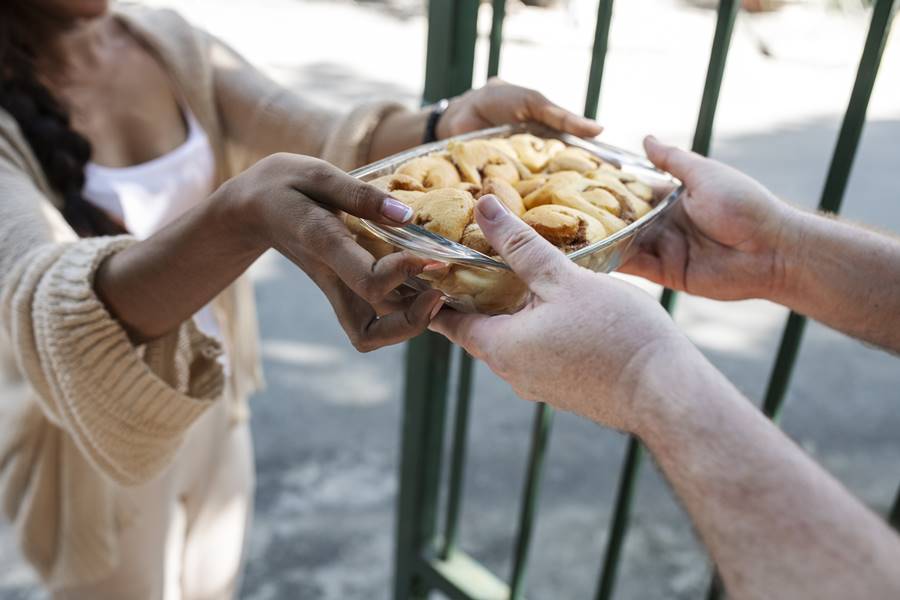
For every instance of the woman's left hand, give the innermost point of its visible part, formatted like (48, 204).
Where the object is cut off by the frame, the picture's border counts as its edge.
(499, 103)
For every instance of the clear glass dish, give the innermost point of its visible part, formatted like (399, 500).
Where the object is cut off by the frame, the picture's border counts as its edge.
(485, 284)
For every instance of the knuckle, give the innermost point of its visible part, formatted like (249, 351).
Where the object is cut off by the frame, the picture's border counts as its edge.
(358, 199)
(520, 242)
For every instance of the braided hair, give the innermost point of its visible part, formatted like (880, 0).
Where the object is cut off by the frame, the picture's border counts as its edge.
(61, 151)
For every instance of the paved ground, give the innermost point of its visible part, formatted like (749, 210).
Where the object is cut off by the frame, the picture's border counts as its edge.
(327, 427)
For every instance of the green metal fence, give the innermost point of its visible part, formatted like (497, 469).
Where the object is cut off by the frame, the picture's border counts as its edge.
(428, 559)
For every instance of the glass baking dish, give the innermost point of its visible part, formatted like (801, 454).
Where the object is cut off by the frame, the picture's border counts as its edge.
(484, 284)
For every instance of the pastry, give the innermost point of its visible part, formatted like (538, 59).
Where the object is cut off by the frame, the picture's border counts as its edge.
(474, 238)
(446, 212)
(430, 172)
(565, 227)
(506, 192)
(397, 181)
(535, 152)
(573, 159)
(479, 158)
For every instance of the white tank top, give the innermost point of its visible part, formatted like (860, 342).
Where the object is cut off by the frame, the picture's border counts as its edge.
(148, 196)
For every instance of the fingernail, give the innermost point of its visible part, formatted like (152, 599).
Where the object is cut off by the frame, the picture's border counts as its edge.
(491, 208)
(434, 266)
(396, 210)
(437, 308)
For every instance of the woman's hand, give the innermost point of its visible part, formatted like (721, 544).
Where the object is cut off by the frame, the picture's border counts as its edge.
(499, 103)
(292, 202)
(728, 239)
(584, 340)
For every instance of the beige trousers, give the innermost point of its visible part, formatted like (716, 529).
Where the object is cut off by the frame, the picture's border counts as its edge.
(186, 541)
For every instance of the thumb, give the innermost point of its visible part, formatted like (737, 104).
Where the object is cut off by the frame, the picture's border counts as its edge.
(534, 259)
(680, 163)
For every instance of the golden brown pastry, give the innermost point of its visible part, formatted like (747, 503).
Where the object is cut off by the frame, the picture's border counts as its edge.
(479, 158)
(486, 291)
(526, 186)
(397, 181)
(430, 172)
(506, 192)
(535, 152)
(641, 190)
(474, 238)
(573, 159)
(446, 212)
(553, 186)
(565, 227)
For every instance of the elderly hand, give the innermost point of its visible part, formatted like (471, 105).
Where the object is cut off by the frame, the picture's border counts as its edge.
(727, 240)
(499, 103)
(583, 341)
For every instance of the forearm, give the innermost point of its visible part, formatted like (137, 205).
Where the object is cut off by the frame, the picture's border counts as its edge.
(397, 132)
(154, 285)
(776, 524)
(846, 276)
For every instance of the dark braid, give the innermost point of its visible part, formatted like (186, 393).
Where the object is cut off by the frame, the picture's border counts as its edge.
(62, 152)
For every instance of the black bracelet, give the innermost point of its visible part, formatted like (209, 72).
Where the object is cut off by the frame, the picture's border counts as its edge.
(437, 111)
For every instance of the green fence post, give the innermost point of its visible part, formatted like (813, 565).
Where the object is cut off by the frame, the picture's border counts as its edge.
(458, 453)
(448, 72)
(422, 433)
(725, 18)
(831, 200)
(598, 58)
(497, 18)
(540, 437)
(452, 30)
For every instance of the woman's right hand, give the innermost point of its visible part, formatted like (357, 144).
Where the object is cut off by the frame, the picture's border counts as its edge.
(727, 240)
(291, 203)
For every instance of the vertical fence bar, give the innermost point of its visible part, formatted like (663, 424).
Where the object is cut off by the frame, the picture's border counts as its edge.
(420, 461)
(497, 18)
(458, 456)
(452, 30)
(540, 436)
(725, 19)
(727, 14)
(598, 58)
(831, 199)
(624, 497)
(894, 515)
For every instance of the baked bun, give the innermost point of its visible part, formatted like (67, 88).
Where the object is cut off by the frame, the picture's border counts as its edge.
(573, 159)
(506, 192)
(479, 158)
(535, 152)
(397, 181)
(485, 290)
(446, 212)
(565, 227)
(430, 172)
(473, 237)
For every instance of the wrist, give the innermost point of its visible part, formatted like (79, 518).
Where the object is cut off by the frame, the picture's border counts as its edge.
(652, 373)
(791, 256)
(240, 217)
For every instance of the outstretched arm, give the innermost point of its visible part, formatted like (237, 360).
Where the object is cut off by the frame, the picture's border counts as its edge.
(776, 524)
(732, 239)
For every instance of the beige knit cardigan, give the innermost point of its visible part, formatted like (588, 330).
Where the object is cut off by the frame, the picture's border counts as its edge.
(83, 412)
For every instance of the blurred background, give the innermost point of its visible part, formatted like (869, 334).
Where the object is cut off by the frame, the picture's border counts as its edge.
(327, 427)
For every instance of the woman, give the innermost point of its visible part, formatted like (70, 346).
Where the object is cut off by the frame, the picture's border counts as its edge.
(128, 214)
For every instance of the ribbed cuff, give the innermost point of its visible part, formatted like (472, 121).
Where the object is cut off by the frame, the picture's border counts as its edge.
(126, 411)
(348, 145)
